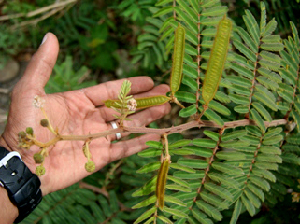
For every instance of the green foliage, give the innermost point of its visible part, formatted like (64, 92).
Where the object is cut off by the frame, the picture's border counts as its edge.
(283, 17)
(10, 43)
(242, 170)
(76, 205)
(250, 156)
(66, 79)
(151, 45)
(136, 11)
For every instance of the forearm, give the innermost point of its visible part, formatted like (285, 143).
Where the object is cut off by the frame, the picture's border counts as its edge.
(8, 212)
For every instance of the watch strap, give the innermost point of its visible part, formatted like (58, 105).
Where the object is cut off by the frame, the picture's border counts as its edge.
(23, 187)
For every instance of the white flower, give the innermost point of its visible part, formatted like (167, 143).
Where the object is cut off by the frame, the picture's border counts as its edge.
(131, 105)
(38, 102)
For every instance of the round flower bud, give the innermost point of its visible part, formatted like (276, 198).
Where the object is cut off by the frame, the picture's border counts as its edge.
(29, 131)
(40, 170)
(131, 104)
(38, 158)
(22, 134)
(90, 166)
(45, 123)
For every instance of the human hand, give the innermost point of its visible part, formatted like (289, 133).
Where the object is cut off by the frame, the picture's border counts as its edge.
(74, 112)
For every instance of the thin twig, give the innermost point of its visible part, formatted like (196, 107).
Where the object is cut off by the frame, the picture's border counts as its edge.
(38, 11)
(46, 16)
(5, 91)
(174, 11)
(93, 188)
(211, 159)
(111, 172)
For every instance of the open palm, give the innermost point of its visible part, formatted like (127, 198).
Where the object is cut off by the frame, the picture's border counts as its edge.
(78, 113)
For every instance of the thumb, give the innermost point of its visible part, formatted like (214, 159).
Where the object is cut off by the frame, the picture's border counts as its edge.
(40, 67)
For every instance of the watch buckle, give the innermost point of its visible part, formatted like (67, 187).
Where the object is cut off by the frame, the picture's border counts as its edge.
(3, 161)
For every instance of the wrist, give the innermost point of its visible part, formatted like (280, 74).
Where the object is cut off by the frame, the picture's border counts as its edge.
(23, 188)
(8, 210)
(3, 143)
(29, 163)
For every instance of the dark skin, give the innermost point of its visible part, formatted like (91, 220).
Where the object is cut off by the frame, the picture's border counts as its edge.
(76, 112)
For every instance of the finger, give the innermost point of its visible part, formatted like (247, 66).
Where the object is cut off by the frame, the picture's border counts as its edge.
(40, 67)
(107, 113)
(144, 117)
(147, 116)
(127, 148)
(110, 90)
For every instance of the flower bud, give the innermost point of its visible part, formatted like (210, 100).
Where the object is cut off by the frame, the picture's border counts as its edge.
(44, 123)
(38, 102)
(131, 104)
(40, 170)
(22, 134)
(90, 166)
(29, 130)
(38, 158)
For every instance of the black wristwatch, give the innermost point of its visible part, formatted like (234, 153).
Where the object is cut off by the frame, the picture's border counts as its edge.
(23, 187)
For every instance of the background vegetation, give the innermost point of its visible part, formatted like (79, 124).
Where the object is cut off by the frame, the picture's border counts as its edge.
(103, 37)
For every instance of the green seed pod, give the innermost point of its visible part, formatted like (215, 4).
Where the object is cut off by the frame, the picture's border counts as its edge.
(217, 60)
(29, 130)
(40, 170)
(178, 55)
(90, 166)
(161, 182)
(38, 158)
(45, 123)
(142, 103)
(22, 134)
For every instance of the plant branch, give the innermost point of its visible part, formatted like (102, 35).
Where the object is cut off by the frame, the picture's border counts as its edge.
(174, 11)
(200, 124)
(252, 84)
(294, 95)
(176, 129)
(198, 62)
(102, 191)
(211, 159)
(59, 5)
(46, 16)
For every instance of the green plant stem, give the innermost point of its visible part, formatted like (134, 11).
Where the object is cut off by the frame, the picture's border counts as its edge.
(49, 126)
(205, 107)
(175, 100)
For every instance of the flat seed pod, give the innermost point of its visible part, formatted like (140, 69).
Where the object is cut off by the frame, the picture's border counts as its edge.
(141, 102)
(178, 55)
(161, 182)
(217, 60)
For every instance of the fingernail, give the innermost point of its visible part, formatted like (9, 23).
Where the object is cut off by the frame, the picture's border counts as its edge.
(44, 39)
